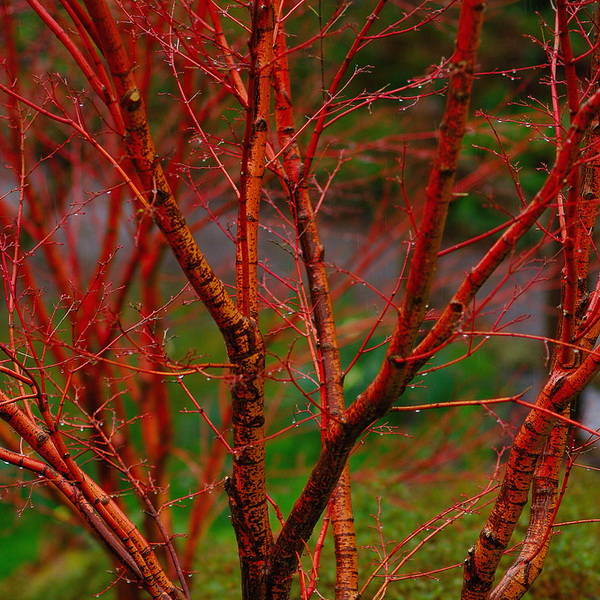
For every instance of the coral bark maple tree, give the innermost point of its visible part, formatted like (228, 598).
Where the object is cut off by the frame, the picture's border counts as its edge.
(166, 126)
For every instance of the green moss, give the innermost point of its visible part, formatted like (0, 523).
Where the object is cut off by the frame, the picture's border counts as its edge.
(71, 574)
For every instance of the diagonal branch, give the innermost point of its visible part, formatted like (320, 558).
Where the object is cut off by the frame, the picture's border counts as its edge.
(376, 400)
(330, 370)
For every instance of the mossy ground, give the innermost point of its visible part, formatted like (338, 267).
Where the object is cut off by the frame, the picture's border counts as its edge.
(572, 569)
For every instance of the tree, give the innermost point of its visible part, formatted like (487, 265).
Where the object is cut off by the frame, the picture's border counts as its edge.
(224, 136)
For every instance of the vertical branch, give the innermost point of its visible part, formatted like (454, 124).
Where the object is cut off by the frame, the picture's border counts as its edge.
(587, 206)
(253, 157)
(247, 488)
(341, 514)
(330, 371)
(544, 505)
(571, 288)
(558, 393)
